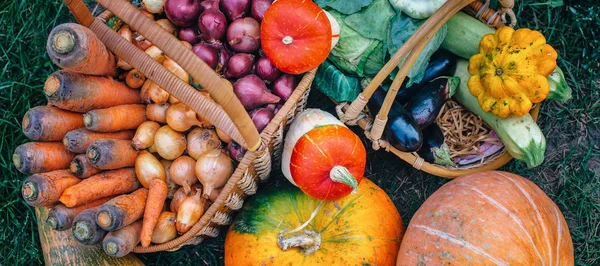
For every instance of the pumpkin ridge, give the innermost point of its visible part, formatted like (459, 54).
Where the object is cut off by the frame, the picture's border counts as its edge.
(512, 215)
(452, 239)
(537, 212)
(559, 236)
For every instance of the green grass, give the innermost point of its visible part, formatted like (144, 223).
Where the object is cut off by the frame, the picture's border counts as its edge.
(570, 174)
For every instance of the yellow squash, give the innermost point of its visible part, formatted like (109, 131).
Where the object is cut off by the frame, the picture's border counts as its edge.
(509, 72)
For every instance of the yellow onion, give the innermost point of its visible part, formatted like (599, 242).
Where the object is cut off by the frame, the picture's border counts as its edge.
(176, 69)
(157, 112)
(215, 194)
(223, 136)
(166, 25)
(181, 118)
(144, 91)
(156, 54)
(135, 79)
(170, 184)
(123, 65)
(157, 94)
(180, 195)
(189, 212)
(147, 167)
(165, 229)
(182, 172)
(144, 135)
(168, 143)
(201, 140)
(173, 100)
(213, 169)
(126, 33)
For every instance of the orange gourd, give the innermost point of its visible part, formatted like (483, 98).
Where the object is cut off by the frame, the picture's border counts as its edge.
(487, 218)
(360, 229)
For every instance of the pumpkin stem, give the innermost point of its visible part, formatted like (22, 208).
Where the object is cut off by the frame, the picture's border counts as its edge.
(341, 174)
(308, 241)
(287, 40)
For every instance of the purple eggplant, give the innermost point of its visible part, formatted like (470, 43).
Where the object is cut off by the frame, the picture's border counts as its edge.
(427, 103)
(434, 150)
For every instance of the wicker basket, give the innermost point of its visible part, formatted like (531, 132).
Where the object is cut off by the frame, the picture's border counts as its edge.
(354, 114)
(226, 112)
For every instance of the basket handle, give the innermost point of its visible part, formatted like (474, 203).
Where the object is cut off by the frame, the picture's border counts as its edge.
(228, 114)
(415, 45)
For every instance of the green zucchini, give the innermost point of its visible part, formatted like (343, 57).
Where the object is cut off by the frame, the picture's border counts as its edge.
(521, 136)
(465, 33)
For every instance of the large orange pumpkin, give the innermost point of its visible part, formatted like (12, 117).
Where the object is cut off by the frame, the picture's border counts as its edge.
(489, 218)
(360, 229)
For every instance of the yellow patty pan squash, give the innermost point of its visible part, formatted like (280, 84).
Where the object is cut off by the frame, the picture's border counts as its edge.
(509, 72)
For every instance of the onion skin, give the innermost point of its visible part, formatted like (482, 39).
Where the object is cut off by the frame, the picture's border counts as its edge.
(208, 4)
(190, 35)
(239, 65)
(266, 70)
(165, 229)
(212, 25)
(156, 93)
(284, 86)
(201, 140)
(234, 9)
(182, 172)
(236, 152)
(181, 118)
(170, 184)
(144, 135)
(189, 212)
(223, 136)
(213, 169)
(180, 195)
(259, 7)
(261, 117)
(243, 35)
(157, 112)
(207, 53)
(147, 167)
(253, 93)
(169, 143)
(182, 13)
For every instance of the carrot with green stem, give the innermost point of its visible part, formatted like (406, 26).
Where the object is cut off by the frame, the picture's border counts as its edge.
(61, 218)
(109, 154)
(40, 157)
(48, 123)
(121, 242)
(122, 210)
(157, 194)
(79, 140)
(45, 189)
(82, 168)
(105, 184)
(117, 118)
(85, 229)
(76, 48)
(82, 93)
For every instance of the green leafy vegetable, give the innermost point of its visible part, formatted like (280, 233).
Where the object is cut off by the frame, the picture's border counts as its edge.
(337, 86)
(401, 29)
(347, 7)
(372, 22)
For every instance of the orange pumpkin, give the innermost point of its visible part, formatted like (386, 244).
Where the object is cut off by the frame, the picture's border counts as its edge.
(488, 218)
(360, 229)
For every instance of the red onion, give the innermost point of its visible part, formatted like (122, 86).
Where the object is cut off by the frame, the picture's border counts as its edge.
(239, 65)
(207, 53)
(284, 86)
(243, 35)
(266, 70)
(235, 9)
(252, 92)
(212, 24)
(189, 34)
(208, 4)
(259, 7)
(236, 152)
(182, 13)
(261, 117)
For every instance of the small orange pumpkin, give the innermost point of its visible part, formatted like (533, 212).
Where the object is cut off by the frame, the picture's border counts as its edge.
(487, 218)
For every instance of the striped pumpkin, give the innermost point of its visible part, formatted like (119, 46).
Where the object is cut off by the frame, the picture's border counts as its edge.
(489, 218)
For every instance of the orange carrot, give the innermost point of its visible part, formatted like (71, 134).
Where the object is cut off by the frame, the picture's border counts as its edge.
(85, 230)
(60, 217)
(82, 168)
(157, 194)
(47, 123)
(121, 242)
(135, 79)
(76, 48)
(45, 189)
(81, 93)
(111, 154)
(39, 157)
(122, 210)
(78, 140)
(105, 184)
(117, 118)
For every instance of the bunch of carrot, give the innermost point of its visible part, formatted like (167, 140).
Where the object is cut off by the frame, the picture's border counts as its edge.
(115, 157)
